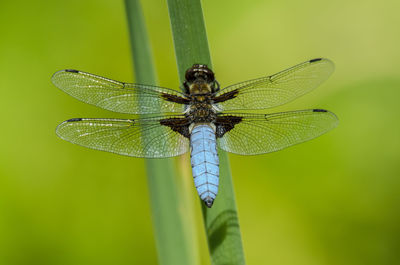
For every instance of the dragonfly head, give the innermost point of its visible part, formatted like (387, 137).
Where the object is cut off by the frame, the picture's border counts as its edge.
(199, 79)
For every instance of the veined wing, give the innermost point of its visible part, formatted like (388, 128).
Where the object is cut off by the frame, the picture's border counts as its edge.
(118, 96)
(138, 138)
(252, 134)
(277, 89)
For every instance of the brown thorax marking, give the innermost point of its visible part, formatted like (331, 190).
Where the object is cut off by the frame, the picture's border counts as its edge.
(200, 112)
(199, 87)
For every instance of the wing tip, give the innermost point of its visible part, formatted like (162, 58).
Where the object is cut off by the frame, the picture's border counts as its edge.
(331, 114)
(74, 119)
(56, 74)
(327, 64)
(61, 125)
(323, 60)
(319, 110)
(315, 60)
(71, 71)
(66, 71)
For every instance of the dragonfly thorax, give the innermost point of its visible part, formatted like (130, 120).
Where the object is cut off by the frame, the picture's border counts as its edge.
(202, 113)
(200, 87)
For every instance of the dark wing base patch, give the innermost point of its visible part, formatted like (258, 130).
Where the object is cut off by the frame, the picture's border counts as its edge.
(226, 96)
(175, 98)
(180, 125)
(226, 123)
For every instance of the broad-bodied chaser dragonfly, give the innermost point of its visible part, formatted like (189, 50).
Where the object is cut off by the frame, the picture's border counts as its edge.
(201, 116)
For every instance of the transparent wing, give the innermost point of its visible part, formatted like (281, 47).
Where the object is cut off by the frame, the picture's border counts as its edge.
(277, 89)
(138, 138)
(118, 96)
(263, 133)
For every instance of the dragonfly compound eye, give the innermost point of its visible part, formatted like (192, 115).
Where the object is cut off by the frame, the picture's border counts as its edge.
(199, 72)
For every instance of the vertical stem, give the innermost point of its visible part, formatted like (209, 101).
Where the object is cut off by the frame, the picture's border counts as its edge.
(221, 221)
(172, 228)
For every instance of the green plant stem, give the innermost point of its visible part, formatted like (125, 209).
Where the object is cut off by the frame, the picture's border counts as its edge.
(221, 221)
(172, 229)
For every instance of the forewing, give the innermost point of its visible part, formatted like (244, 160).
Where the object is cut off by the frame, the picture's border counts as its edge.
(252, 134)
(277, 89)
(138, 138)
(118, 96)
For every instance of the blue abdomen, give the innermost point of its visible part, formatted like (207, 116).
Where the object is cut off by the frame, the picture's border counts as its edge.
(205, 162)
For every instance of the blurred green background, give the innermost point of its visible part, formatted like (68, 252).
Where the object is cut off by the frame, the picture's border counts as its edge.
(334, 200)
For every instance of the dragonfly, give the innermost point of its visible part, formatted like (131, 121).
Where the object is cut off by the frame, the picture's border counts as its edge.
(200, 118)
